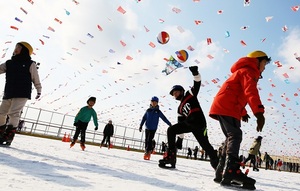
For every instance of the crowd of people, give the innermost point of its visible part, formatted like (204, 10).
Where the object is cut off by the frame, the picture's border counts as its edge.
(228, 108)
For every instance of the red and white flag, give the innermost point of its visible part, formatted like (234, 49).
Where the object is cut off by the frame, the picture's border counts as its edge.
(269, 18)
(122, 43)
(129, 57)
(121, 10)
(176, 10)
(243, 43)
(284, 28)
(295, 8)
(152, 44)
(198, 22)
(220, 12)
(208, 40)
(246, 3)
(278, 64)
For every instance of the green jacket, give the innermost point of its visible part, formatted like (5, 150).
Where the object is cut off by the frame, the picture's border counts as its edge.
(85, 115)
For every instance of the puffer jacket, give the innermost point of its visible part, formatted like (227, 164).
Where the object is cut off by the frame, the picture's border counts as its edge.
(239, 90)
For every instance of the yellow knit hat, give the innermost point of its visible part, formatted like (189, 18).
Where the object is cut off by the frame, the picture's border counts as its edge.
(28, 46)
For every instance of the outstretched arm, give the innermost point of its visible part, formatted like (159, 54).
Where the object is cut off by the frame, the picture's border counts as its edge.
(163, 117)
(197, 80)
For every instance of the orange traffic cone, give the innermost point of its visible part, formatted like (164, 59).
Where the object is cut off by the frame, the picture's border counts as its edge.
(68, 138)
(128, 148)
(64, 138)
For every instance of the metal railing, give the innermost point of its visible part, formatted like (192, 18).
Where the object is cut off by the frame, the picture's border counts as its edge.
(52, 124)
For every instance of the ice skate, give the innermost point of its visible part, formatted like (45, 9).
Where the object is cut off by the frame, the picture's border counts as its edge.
(169, 160)
(233, 176)
(2, 130)
(82, 145)
(147, 155)
(214, 161)
(72, 143)
(8, 136)
(219, 170)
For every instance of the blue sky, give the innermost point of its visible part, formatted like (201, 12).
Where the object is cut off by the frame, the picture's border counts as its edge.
(76, 62)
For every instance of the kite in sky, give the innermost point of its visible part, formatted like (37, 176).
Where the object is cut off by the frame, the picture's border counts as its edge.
(171, 65)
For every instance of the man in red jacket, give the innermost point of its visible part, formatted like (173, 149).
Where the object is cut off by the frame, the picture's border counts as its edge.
(228, 108)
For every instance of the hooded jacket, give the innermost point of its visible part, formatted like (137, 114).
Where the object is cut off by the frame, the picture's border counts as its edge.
(239, 90)
(151, 118)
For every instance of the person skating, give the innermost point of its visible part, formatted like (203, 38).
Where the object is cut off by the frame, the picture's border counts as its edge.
(190, 119)
(82, 120)
(151, 118)
(107, 133)
(195, 152)
(21, 72)
(228, 108)
(253, 152)
(189, 153)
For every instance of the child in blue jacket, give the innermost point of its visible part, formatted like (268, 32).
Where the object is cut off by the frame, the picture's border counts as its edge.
(151, 118)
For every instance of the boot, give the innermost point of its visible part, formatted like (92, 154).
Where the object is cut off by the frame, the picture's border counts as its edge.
(214, 161)
(8, 135)
(219, 170)
(255, 169)
(232, 173)
(147, 155)
(2, 130)
(82, 145)
(73, 143)
(169, 158)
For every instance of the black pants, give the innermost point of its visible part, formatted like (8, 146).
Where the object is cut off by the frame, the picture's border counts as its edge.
(148, 139)
(80, 129)
(231, 128)
(107, 138)
(252, 160)
(199, 131)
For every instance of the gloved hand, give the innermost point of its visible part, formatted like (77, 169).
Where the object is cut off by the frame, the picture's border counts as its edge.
(75, 124)
(38, 95)
(140, 129)
(96, 128)
(194, 70)
(245, 118)
(260, 120)
(179, 143)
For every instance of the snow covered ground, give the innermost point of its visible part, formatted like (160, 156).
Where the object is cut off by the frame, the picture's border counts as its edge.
(42, 164)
